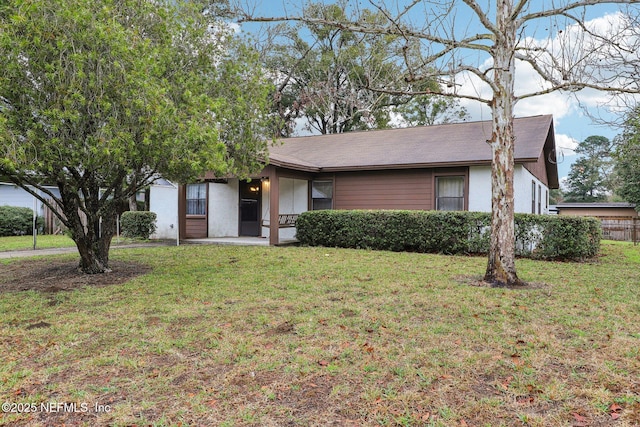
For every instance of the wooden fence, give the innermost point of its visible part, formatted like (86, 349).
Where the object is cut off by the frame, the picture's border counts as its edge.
(52, 224)
(621, 228)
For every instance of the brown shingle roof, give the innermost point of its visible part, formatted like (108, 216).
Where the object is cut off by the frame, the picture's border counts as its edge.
(426, 146)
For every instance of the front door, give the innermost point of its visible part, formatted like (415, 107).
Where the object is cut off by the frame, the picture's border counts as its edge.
(250, 206)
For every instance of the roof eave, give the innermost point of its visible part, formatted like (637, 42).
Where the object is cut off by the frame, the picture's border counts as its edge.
(295, 166)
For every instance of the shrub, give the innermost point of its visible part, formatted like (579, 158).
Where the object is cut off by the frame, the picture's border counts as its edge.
(139, 224)
(537, 236)
(567, 237)
(15, 221)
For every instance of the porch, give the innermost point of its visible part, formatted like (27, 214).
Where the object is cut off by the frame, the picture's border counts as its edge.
(260, 211)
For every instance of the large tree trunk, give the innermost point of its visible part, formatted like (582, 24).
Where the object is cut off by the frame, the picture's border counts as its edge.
(92, 235)
(501, 267)
(93, 244)
(92, 259)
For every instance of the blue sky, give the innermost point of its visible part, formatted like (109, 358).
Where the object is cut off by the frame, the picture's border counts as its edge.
(571, 123)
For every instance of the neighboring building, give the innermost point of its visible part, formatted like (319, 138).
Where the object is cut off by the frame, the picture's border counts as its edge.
(167, 212)
(443, 167)
(598, 209)
(620, 221)
(12, 195)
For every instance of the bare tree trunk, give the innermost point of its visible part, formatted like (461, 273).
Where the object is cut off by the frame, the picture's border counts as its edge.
(501, 267)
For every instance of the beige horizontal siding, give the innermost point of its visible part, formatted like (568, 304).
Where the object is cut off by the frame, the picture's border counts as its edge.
(196, 228)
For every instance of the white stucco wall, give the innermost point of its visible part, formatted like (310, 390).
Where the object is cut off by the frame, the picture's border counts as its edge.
(12, 195)
(163, 200)
(223, 208)
(523, 191)
(294, 199)
(480, 189)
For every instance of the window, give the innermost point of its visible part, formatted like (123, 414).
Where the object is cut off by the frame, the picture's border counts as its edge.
(539, 199)
(450, 193)
(197, 199)
(546, 199)
(533, 197)
(321, 195)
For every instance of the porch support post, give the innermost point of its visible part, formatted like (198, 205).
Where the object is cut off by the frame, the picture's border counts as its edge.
(182, 212)
(274, 207)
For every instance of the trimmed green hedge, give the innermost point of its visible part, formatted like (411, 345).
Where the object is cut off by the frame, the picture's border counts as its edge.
(537, 236)
(140, 224)
(558, 236)
(15, 221)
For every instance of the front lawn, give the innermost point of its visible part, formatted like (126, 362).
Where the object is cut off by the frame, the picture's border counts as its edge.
(47, 241)
(225, 335)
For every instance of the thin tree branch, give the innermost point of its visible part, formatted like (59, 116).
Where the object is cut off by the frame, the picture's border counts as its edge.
(427, 92)
(571, 6)
(27, 183)
(482, 16)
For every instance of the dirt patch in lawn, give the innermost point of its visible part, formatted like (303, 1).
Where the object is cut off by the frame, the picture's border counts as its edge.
(480, 282)
(55, 276)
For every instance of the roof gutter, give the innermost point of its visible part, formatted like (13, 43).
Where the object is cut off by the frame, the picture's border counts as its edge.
(317, 169)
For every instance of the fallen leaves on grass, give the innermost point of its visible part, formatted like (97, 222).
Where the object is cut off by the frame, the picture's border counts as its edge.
(579, 420)
(615, 410)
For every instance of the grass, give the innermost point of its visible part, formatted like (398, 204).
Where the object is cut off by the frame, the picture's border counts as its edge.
(19, 243)
(47, 241)
(234, 336)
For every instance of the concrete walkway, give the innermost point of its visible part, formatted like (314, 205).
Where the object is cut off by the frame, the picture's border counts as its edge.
(37, 252)
(57, 251)
(241, 241)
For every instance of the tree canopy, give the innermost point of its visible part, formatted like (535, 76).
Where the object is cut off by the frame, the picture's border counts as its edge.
(590, 176)
(100, 98)
(627, 159)
(325, 75)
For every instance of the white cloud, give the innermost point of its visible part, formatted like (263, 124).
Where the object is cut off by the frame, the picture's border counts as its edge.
(556, 103)
(566, 144)
(527, 80)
